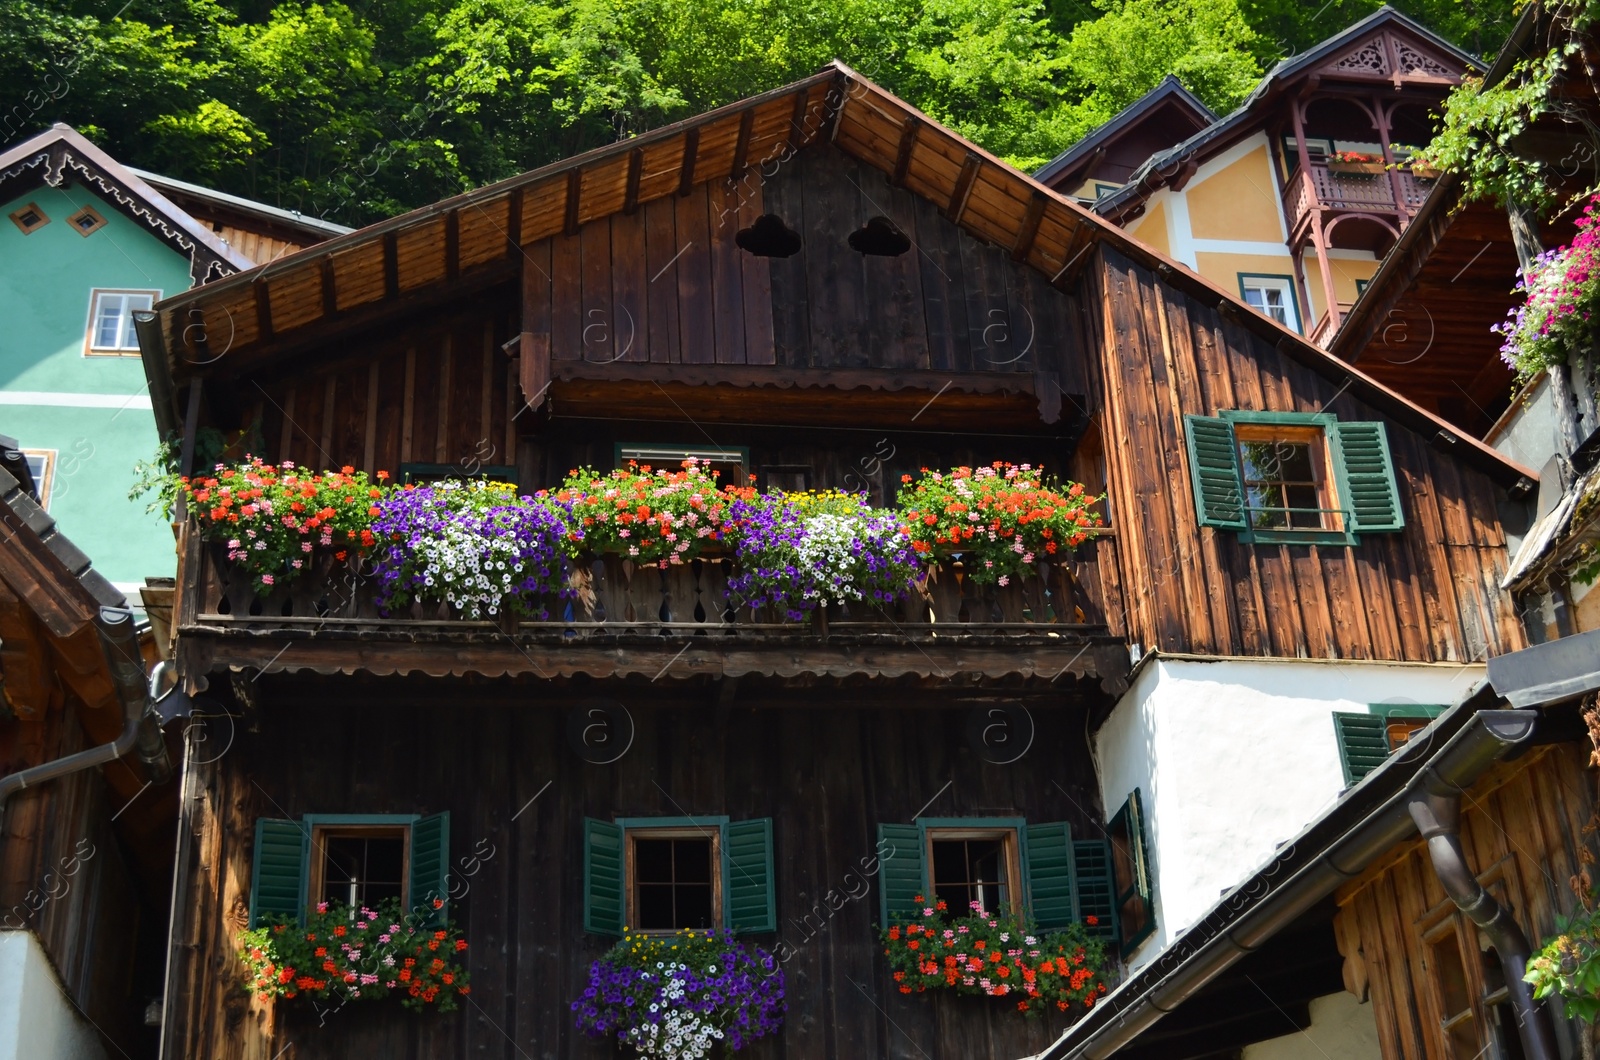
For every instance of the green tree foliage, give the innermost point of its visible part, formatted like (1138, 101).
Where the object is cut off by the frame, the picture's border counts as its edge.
(355, 110)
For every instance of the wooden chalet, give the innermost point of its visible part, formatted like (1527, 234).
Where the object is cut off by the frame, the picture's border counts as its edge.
(86, 818)
(820, 287)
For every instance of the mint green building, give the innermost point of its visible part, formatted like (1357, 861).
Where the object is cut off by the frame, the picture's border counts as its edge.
(84, 244)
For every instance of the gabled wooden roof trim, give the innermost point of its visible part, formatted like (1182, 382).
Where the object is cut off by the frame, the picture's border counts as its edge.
(1170, 89)
(987, 197)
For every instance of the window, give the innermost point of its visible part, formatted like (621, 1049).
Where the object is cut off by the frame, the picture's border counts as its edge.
(1271, 296)
(354, 859)
(29, 219)
(974, 866)
(111, 320)
(1005, 864)
(1465, 995)
(1292, 477)
(1102, 190)
(358, 866)
(1365, 740)
(676, 873)
(730, 464)
(42, 466)
(423, 474)
(1130, 866)
(1361, 287)
(86, 220)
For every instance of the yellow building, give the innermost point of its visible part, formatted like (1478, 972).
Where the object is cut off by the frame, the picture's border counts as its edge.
(1294, 198)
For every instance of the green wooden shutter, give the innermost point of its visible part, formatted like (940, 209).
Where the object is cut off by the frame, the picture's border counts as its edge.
(1095, 894)
(1130, 820)
(900, 866)
(1050, 873)
(278, 876)
(1363, 743)
(1367, 488)
(603, 906)
(1214, 466)
(750, 904)
(430, 866)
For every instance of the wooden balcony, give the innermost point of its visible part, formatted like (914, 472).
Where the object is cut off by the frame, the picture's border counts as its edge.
(626, 619)
(1350, 192)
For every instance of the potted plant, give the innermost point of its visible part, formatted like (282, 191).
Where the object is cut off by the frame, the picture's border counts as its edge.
(1552, 324)
(996, 955)
(676, 996)
(1355, 162)
(650, 515)
(344, 954)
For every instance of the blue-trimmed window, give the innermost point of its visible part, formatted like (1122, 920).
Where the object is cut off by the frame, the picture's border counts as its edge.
(353, 859)
(667, 874)
(1292, 477)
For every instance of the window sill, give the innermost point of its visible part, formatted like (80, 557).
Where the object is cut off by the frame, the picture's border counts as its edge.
(1298, 537)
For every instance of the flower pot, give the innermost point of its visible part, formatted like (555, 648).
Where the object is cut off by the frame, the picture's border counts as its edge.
(1356, 169)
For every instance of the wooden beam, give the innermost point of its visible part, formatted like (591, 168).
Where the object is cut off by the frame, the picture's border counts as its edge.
(330, 286)
(963, 188)
(1030, 226)
(691, 148)
(263, 309)
(908, 142)
(514, 221)
(1077, 250)
(797, 120)
(574, 190)
(452, 244)
(741, 146)
(630, 197)
(391, 265)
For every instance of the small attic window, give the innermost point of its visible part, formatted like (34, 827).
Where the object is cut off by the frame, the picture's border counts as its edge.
(30, 218)
(880, 237)
(769, 237)
(87, 220)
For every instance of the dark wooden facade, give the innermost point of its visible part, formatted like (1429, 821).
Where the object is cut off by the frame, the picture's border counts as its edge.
(1014, 327)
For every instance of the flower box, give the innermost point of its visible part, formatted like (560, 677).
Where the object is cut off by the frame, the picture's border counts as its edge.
(1356, 169)
(1426, 172)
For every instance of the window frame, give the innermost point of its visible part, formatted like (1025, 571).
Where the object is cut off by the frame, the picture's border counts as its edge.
(1142, 884)
(319, 825)
(1010, 830)
(86, 210)
(95, 293)
(1290, 302)
(671, 457)
(1325, 423)
(1102, 189)
(28, 207)
(713, 828)
(43, 479)
(1322, 472)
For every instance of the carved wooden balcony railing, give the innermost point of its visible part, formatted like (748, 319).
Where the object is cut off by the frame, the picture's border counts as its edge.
(621, 615)
(1353, 192)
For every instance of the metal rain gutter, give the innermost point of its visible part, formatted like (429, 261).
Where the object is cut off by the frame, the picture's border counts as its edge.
(1486, 737)
(121, 646)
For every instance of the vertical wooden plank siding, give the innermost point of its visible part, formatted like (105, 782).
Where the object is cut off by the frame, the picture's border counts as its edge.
(1523, 823)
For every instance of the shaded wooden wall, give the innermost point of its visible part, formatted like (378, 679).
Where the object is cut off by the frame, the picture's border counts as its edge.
(1428, 593)
(1522, 829)
(826, 765)
(669, 284)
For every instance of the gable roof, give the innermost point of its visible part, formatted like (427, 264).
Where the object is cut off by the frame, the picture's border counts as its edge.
(61, 154)
(437, 253)
(1166, 165)
(1169, 93)
(313, 228)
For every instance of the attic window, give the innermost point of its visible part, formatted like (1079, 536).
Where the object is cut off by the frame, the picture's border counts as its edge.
(769, 237)
(29, 219)
(880, 237)
(87, 220)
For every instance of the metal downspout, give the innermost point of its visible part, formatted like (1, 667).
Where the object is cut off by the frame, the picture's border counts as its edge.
(1438, 818)
(121, 648)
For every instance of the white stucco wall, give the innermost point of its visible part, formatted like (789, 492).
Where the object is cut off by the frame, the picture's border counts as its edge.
(1341, 1028)
(36, 1018)
(1232, 757)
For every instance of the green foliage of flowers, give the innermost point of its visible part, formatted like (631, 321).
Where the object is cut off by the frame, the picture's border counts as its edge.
(1568, 965)
(996, 955)
(1002, 518)
(366, 954)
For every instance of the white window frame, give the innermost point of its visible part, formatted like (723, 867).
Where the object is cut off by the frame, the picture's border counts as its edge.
(92, 327)
(42, 465)
(1283, 284)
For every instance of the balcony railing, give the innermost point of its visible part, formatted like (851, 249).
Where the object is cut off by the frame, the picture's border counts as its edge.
(619, 613)
(1361, 192)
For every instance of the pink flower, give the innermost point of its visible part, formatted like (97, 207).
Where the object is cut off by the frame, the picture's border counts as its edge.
(322, 907)
(266, 579)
